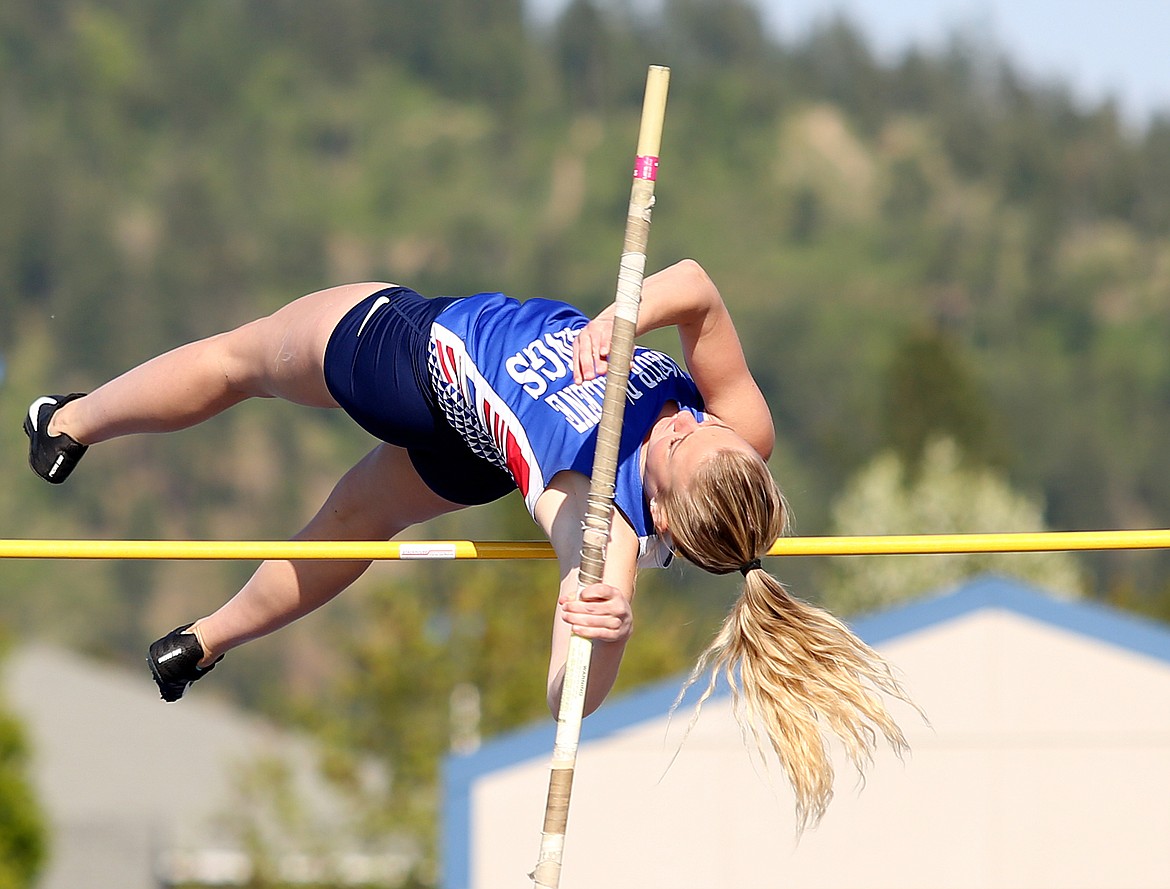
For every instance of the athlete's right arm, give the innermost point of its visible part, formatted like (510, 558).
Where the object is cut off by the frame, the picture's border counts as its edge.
(603, 612)
(684, 296)
(677, 296)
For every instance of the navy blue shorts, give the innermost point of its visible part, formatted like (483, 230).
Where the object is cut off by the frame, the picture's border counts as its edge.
(376, 369)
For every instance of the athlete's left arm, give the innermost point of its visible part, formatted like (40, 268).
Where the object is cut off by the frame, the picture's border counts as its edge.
(603, 612)
(684, 296)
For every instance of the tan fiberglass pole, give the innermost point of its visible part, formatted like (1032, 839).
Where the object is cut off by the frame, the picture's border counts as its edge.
(599, 510)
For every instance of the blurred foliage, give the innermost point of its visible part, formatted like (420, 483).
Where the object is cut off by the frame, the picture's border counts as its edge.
(24, 842)
(931, 393)
(883, 230)
(946, 493)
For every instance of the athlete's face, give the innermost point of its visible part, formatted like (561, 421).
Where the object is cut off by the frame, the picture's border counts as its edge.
(678, 444)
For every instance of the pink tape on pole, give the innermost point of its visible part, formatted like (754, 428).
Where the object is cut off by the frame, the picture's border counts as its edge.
(646, 167)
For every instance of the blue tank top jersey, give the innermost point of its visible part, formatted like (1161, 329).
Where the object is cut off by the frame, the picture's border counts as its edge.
(501, 371)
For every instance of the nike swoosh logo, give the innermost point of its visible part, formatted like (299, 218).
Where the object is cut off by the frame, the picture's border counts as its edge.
(378, 303)
(34, 410)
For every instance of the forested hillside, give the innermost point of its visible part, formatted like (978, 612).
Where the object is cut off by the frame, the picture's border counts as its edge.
(172, 169)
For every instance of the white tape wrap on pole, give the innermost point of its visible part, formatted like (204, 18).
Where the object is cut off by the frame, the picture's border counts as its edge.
(629, 289)
(599, 508)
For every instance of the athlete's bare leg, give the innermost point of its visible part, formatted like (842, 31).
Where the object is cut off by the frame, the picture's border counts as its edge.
(280, 356)
(380, 497)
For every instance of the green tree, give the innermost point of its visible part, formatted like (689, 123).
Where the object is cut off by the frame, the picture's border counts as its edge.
(23, 838)
(836, 64)
(584, 49)
(944, 497)
(931, 392)
(1153, 165)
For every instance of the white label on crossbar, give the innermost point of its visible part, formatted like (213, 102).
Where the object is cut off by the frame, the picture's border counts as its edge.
(426, 551)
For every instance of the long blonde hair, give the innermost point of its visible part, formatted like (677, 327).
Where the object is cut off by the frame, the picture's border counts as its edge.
(795, 671)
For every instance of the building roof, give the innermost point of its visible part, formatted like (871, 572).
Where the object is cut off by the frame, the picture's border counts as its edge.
(139, 792)
(1001, 620)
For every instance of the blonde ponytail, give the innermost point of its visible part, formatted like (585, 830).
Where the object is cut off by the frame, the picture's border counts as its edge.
(796, 672)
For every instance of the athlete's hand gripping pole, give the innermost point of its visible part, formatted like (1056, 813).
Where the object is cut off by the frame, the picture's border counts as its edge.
(599, 510)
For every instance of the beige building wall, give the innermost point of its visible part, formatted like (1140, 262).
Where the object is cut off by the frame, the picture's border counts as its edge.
(1046, 764)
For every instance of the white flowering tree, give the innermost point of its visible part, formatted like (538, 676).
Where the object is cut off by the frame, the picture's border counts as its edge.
(945, 496)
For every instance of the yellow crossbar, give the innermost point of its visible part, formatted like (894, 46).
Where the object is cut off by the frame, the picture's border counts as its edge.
(272, 549)
(259, 550)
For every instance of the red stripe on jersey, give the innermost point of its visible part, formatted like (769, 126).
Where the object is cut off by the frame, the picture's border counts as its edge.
(489, 422)
(448, 364)
(504, 439)
(517, 465)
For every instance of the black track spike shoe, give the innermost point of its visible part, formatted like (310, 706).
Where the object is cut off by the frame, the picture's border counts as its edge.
(174, 662)
(52, 457)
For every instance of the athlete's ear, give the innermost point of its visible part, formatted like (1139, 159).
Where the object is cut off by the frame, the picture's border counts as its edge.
(658, 516)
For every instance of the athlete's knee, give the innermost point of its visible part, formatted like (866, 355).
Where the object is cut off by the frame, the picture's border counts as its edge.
(357, 509)
(383, 495)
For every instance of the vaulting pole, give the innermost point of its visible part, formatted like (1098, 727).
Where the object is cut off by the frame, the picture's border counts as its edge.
(599, 509)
